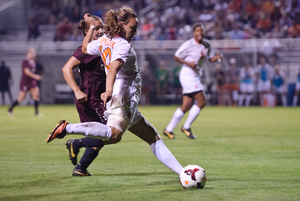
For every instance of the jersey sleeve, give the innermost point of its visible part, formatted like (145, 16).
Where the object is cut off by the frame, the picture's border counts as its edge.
(84, 58)
(93, 48)
(120, 51)
(25, 64)
(182, 50)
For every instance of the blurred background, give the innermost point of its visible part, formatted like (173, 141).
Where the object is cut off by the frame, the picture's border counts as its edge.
(242, 30)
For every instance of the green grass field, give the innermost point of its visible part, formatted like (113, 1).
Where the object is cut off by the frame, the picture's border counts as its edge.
(248, 154)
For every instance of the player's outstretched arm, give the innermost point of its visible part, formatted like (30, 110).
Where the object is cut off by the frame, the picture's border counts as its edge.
(87, 39)
(215, 58)
(69, 77)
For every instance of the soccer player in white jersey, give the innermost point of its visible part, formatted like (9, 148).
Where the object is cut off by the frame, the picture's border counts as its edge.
(297, 90)
(123, 87)
(247, 74)
(264, 73)
(192, 54)
(279, 84)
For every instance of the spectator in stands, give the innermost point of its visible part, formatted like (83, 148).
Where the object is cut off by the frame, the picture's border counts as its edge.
(264, 23)
(264, 72)
(285, 22)
(221, 85)
(267, 6)
(233, 82)
(294, 31)
(161, 80)
(297, 90)
(171, 32)
(147, 83)
(276, 14)
(5, 81)
(236, 33)
(76, 16)
(33, 29)
(247, 75)
(277, 32)
(279, 85)
(64, 30)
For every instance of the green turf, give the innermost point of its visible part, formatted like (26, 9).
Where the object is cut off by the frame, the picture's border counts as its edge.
(248, 154)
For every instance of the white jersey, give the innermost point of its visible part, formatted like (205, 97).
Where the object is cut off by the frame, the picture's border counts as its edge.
(114, 49)
(127, 86)
(192, 51)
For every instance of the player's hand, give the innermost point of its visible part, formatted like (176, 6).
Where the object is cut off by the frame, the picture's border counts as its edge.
(105, 97)
(80, 96)
(191, 64)
(38, 77)
(218, 57)
(89, 19)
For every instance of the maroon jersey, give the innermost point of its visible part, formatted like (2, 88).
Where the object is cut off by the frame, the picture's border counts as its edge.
(26, 81)
(93, 80)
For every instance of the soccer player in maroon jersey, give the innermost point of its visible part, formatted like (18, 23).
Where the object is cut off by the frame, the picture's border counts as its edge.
(28, 82)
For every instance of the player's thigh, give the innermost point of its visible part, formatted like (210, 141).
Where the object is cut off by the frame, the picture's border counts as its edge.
(22, 95)
(144, 130)
(35, 93)
(200, 98)
(187, 103)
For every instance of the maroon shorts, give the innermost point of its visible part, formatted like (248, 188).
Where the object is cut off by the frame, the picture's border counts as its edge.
(27, 86)
(88, 114)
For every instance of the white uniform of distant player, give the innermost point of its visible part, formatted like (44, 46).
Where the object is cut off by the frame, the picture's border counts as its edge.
(192, 51)
(246, 85)
(127, 86)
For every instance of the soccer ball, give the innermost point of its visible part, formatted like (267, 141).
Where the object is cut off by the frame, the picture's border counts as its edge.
(191, 176)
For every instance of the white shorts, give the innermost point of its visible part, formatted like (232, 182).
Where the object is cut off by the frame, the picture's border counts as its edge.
(263, 86)
(298, 86)
(122, 110)
(189, 80)
(246, 87)
(281, 90)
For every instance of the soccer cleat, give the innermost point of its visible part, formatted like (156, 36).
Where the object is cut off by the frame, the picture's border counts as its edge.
(170, 135)
(73, 151)
(59, 131)
(80, 173)
(188, 133)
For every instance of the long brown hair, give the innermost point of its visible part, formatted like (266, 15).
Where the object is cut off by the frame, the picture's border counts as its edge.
(83, 26)
(114, 18)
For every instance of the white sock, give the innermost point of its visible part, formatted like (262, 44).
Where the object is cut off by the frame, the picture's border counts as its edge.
(295, 101)
(194, 112)
(163, 154)
(241, 99)
(283, 100)
(90, 129)
(248, 99)
(177, 116)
